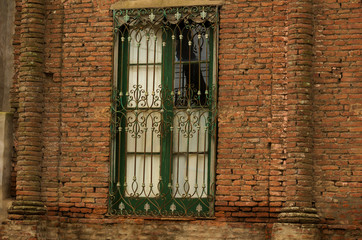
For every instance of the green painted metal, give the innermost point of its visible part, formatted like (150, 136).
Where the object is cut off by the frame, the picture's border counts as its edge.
(164, 200)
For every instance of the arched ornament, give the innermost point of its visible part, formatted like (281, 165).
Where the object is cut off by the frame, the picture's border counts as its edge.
(143, 17)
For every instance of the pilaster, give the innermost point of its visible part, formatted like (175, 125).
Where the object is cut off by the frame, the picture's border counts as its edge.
(31, 76)
(299, 208)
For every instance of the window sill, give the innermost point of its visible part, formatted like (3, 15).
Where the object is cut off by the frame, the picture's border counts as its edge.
(162, 3)
(146, 218)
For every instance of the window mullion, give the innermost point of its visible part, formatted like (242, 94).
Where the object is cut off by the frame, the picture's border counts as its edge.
(211, 99)
(167, 106)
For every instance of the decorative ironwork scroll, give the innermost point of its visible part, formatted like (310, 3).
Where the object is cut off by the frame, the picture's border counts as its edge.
(164, 112)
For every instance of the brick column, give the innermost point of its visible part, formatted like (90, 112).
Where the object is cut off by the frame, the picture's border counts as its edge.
(31, 76)
(299, 209)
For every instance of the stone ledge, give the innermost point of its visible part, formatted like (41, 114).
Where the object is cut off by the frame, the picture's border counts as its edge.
(298, 215)
(27, 208)
(131, 4)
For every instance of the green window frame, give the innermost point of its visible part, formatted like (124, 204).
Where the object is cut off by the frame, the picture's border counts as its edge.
(163, 123)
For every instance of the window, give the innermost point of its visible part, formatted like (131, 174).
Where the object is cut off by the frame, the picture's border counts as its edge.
(164, 112)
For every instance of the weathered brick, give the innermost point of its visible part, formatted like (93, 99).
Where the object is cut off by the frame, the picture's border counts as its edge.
(289, 116)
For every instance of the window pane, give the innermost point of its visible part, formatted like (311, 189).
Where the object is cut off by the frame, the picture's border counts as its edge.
(144, 81)
(143, 44)
(190, 131)
(191, 63)
(193, 46)
(195, 171)
(143, 174)
(143, 131)
(190, 81)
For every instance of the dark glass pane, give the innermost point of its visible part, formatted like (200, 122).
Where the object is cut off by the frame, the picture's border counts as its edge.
(190, 84)
(191, 59)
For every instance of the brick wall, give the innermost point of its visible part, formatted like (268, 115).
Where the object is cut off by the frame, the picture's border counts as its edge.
(252, 121)
(337, 111)
(251, 173)
(79, 71)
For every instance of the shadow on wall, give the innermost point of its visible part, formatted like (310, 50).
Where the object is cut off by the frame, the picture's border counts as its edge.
(7, 11)
(5, 161)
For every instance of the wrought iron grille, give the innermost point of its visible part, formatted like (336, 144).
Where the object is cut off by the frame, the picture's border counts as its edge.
(164, 112)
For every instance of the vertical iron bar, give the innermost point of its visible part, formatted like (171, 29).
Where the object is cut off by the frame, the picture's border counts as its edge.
(171, 151)
(199, 64)
(197, 150)
(205, 139)
(154, 63)
(178, 153)
(138, 91)
(188, 145)
(136, 113)
(173, 47)
(135, 148)
(144, 157)
(180, 65)
(207, 61)
(162, 122)
(152, 128)
(121, 68)
(119, 157)
(147, 41)
(189, 88)
(121, 91)
(126, 105)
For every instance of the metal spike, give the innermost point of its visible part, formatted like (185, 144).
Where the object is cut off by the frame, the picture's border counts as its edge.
(203, 14)
(178, 15)
(152, 16)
